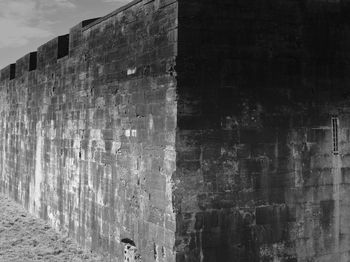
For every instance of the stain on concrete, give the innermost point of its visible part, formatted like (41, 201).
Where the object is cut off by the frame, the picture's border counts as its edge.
(76, 146)
(200, 130)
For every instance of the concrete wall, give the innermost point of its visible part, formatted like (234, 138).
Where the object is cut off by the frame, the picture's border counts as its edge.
(87, 139)
(188, 131)
(258, 84)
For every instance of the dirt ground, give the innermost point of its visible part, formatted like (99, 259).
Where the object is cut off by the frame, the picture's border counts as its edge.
(26, 238)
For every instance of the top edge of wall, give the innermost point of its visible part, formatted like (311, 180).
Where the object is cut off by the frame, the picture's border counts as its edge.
(51, 41)
(85, 24)
(23, 57)
(119, 10)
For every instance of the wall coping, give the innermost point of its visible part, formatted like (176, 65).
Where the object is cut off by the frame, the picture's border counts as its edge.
(96, 21)
(119, 10)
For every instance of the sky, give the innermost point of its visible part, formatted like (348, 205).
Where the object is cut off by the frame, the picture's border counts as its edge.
(27, 24)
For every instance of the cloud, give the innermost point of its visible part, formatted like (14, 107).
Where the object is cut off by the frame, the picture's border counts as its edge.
(56, 3)
(14, 34)
(22, 20)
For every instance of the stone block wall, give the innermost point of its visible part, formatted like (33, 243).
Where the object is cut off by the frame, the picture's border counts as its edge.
(88, 135)
(258, 176)
(188, 131)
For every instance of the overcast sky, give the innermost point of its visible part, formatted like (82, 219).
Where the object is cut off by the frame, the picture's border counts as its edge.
(27, 24)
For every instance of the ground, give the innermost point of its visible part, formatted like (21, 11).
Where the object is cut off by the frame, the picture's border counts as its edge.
(24, 237)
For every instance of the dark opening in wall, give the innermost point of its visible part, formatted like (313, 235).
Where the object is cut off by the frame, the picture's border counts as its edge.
(12, 71)
(88, 21)
(32, 61)
(335, 124)
(63, 46)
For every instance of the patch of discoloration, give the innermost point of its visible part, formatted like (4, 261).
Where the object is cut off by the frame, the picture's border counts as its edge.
(38, 178)
(76, 145)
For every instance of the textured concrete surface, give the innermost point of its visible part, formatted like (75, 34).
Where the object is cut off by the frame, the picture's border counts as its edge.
(87, 138)
(188, 131)
(256, 178)
(25, 238)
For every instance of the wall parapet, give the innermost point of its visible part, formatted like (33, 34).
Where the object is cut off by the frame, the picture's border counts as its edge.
(117, 11)
(87, 136)
(52, 53)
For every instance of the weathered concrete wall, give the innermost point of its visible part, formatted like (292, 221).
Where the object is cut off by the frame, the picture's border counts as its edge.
(88, 137)
(240, 152)
(258, 84)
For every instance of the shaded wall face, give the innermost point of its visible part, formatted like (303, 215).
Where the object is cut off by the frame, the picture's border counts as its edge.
(257, 176)
(87, 142)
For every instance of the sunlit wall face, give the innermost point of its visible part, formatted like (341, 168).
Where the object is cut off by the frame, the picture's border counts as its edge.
(26, 24)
